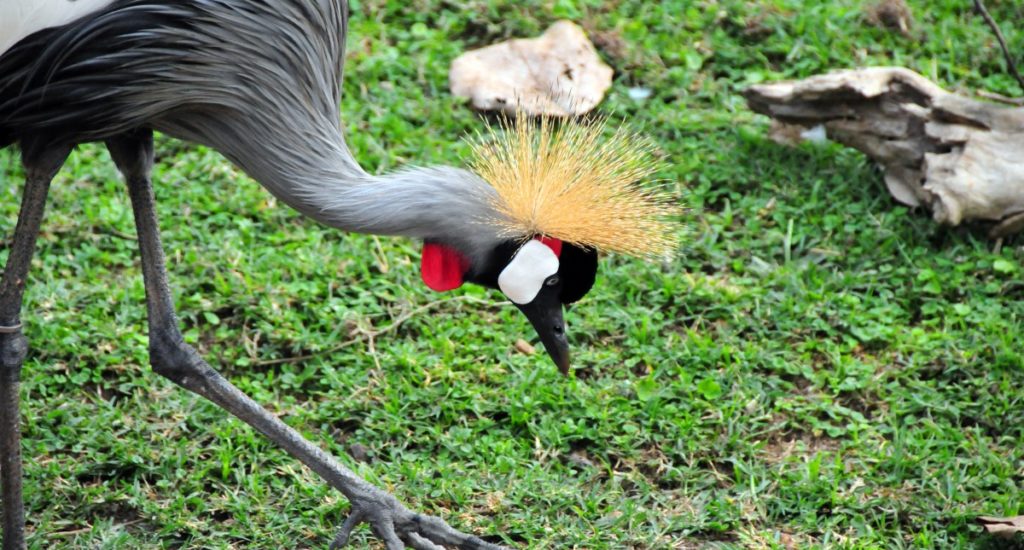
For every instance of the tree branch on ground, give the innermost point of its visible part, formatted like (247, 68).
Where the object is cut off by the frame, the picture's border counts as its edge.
(980, 7)
(957, 156)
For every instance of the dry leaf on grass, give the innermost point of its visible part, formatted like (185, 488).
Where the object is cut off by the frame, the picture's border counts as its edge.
(891, 14)
(524, 347)
(558, 74)
(1005, 528)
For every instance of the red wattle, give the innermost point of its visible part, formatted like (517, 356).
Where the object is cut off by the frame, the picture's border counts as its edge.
(442, 268)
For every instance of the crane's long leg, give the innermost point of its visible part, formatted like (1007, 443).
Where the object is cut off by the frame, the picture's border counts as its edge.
(172, 358)
(41, 164)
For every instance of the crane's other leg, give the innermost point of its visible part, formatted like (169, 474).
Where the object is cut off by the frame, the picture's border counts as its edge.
(41, 163)
(172, 358)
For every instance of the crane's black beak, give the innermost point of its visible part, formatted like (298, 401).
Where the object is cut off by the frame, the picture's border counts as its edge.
(545, 314)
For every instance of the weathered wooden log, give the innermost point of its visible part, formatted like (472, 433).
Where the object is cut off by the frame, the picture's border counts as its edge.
(961, 158)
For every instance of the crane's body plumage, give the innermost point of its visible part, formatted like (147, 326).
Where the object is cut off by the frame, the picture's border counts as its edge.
(257, 80)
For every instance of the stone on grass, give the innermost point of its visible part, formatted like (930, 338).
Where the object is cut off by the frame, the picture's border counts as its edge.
(558, 74)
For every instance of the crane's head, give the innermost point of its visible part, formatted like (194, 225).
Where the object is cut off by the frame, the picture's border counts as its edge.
(539, 276)
(562, 191)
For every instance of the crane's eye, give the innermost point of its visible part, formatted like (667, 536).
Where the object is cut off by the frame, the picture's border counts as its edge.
(552, 281)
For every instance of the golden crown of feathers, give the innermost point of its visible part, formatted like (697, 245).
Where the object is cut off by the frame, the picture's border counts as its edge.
(569, 180)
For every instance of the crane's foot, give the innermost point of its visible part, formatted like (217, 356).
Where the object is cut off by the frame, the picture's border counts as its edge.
(400, 527)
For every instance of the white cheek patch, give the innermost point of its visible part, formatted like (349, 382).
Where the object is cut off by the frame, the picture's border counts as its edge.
(524, 276)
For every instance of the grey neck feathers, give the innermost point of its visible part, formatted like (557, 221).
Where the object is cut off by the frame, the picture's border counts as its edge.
(317, 175)
(439, 203)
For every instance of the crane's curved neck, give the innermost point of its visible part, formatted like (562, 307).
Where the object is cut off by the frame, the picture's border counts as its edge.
(314, 172)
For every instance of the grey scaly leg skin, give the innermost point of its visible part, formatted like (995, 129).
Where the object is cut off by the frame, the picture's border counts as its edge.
(41, 163)
(172, 358)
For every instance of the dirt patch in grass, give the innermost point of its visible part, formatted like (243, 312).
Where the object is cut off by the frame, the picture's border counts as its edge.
(780, 447)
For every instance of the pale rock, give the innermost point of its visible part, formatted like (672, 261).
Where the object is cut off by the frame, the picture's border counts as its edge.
(558, 73)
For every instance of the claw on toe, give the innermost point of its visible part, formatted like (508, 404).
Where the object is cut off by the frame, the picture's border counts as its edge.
(341, 539)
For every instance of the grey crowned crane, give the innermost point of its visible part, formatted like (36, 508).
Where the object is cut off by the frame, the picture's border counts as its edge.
(260, 82)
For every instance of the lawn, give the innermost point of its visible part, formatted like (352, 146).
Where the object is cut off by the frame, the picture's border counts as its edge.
(818, 367)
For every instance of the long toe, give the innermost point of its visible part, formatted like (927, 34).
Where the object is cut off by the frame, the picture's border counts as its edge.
(397, 526)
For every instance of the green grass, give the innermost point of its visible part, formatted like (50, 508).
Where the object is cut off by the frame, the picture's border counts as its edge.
(818, 367)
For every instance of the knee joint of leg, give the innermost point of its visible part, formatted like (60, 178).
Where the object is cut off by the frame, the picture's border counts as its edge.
(170, 356)
(13, 349)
